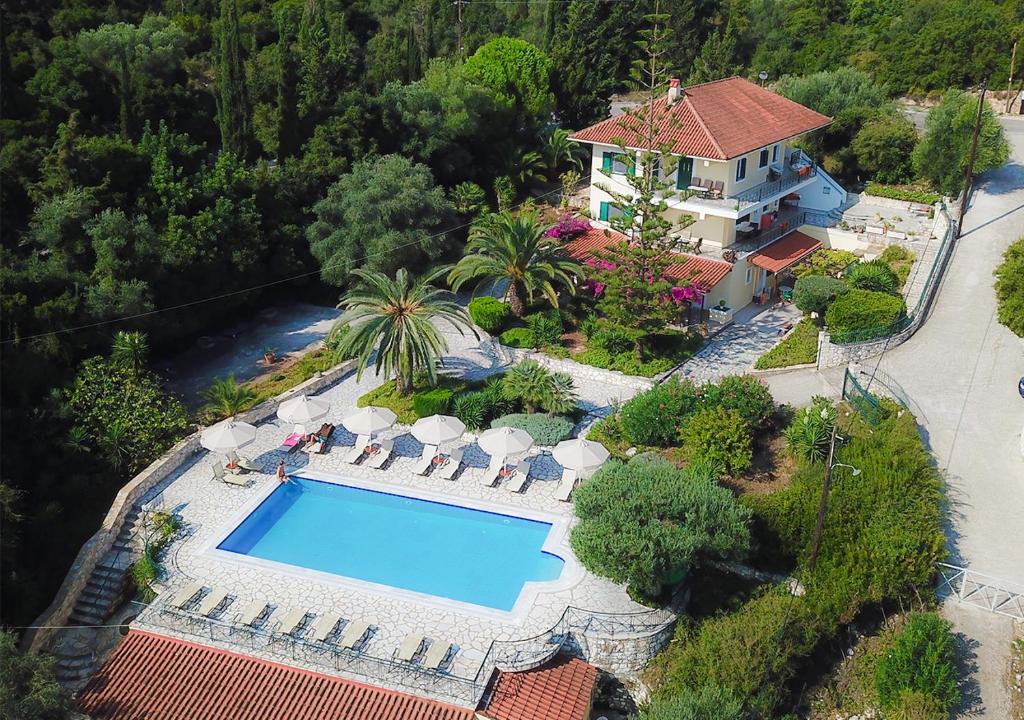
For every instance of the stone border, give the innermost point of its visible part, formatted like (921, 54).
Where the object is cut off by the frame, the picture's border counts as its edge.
(96, 547)
(781, 370)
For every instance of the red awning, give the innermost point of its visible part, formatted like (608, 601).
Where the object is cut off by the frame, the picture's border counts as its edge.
(784, 252)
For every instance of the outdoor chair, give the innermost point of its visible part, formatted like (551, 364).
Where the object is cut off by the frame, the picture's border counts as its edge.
(358, 450)
(381, 454)
(493, 472)
(355, 635)
(566, 485)
(717, 188)
(518, 479)
(426, 461)
(213, 601)
(451, 465)
(184, 596)
(254, 615)
(439, 654)
(220, 473)
(292, 443)
(410, 647)
(293, 621)
(696, 184)
(247, 464)
(324, 627)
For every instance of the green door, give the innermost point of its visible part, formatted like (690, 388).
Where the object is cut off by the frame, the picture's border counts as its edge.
(684, 173)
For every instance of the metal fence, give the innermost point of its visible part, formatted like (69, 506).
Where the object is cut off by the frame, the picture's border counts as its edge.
(866, 404)
(982, 591)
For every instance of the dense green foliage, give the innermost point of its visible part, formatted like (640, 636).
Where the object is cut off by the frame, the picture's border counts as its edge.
(874, 275)
(435, 401)
(720, 438)
(863, 315)
(798, 348)
(921, 660)
(810, 432)
(903, 192)
(1010, 288)
(815, 293)
(488, 313)
(825, 261)
(900, 260)
(28, 686)
(883, 147)
(225, 398)
(518, 337)
(646, 522)
(544, 429)
(537, 388)
(704, 703)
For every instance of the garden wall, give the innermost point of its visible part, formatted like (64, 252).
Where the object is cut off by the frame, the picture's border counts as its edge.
(135, 490)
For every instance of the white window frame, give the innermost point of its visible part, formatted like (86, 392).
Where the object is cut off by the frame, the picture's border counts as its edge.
(762, 158)
(775, 153)
(750, 275)
(741, 169)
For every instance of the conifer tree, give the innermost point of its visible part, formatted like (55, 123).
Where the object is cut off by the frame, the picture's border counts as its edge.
(233, 96)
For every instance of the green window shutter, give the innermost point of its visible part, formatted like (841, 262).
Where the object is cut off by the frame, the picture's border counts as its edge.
(606, 162)
(603, 213)
(684, 173)
(631, 167)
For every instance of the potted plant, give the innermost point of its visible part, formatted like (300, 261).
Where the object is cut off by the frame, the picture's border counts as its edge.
(269, 355)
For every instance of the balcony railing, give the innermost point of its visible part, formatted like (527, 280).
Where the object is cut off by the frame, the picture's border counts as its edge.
(786, 224)
(788, 179)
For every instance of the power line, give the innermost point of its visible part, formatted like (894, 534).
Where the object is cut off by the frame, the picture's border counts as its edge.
(261, 286)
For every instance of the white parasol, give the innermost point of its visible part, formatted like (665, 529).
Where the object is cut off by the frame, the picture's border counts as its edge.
(227, 435)
(438, 429)
(303, 410)
(580, 454)
(368, 420)
(505, 441)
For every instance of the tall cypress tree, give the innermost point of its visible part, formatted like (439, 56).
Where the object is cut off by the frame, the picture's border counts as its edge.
(233, 98)
(288, 131)
(315, 47)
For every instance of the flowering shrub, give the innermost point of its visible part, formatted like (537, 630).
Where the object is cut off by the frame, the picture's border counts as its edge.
(568, 227)
(678, 295)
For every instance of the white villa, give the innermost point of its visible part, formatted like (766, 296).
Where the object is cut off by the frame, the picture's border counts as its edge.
(747, 188)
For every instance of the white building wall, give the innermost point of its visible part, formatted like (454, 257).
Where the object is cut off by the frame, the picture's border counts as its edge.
(823, 194)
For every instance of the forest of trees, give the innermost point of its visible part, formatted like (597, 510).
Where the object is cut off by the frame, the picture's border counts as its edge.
(158, 155)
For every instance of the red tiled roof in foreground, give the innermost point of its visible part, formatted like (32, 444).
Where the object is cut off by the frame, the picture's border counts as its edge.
(785, 252)
(152, 677)
(560, 690)
(716, 120)
(704, 271)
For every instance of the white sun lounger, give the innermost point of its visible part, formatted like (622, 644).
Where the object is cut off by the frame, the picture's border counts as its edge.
(567, 485)
(183, 596)
(324, 626)
(382, 454)
(358, 450)
(410, 647)
(355, 631)
(519, 477)
(252, 612)
(211, 602)
(437, 653)
(426, 461)
(490, 476)
(291, 621)
(451, 465)
(247, 464)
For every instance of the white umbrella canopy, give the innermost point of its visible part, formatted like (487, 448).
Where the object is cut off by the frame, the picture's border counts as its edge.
(368, 420)
(227, 435)
(303, 409)
(580, 454)
(437, 429)
(505, 441)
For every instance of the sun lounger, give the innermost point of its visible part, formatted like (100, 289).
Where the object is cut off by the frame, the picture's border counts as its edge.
(381, 454)
(354, 633)
(182, 598)
(438, 653)
(292, 443)
(322, 439)
(567, 485)
(211, 602)
(291, 621)
(324, 627)
(426, 461)
(493, 470)
(518, 479)
(219, 473)
(451, 465)
(254, 614)
(358, 450)
(410, 647)
(247, 464)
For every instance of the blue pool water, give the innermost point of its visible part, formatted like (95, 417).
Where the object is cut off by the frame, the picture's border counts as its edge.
(445, 550)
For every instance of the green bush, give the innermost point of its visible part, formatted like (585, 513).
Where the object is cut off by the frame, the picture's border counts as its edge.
(471, 409)
(435, 401)
(546, 326)
(145, 572)
(864, 315)
(615, 339)
(489, 313)
(810, 432)
(646, 521)
(519, 337)
(797, 348)
(653, 417)
(874, 275)
(404, 406)
(920, 660)
(536, 387)
(814, 293)
(825, 262)
(544, 429)
(900, 260)
(610, 433)
(907, 193)
(704, 703)
(1010, 288)
(746, 394)
(720, 437)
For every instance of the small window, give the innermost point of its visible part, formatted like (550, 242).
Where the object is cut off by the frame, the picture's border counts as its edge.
(762, 160)
(775, 153)
(764, 209)
(741, 168)
(826, 190)
(750, 276)
(613, 163)
(607, 212)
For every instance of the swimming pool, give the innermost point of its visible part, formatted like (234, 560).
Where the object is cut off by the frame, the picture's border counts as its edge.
(448, 551)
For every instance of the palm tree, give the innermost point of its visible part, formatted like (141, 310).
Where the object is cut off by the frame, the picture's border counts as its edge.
(396, 317)
(561, 395)
(514, 248)
(225, 397)
(559, 150)
(530, 169)
(535, 386)
(130, 349)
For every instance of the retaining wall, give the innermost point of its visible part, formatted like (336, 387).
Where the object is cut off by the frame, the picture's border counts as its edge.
(96, 547)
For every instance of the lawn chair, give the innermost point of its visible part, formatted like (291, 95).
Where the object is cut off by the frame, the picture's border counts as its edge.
(211, 602)
(184, 596)
(717, 188)
(518, 479)
(567, 484)
(451, 465)
(695, 184)
(439, 655)
(493, 471)
(380, 456)
(426, 461)
(292, 443)
(324, 627)
(247, 464)
(358, 450)
(292, 624)
(410, 647)
(220, 473)
(254, 615)
(355, 635)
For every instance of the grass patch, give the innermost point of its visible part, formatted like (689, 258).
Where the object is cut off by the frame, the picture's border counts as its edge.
(298, 372)
(797, 348)
(403, 406)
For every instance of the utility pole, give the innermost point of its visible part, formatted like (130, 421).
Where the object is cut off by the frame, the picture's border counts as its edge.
(1009, 80)
(969, 170)
(458, 6)
(823, 504)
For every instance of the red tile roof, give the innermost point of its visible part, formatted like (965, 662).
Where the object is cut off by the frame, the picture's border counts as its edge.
(560, 690)
(152, 677)
(716, 120)
(785, 252)
(704, 271)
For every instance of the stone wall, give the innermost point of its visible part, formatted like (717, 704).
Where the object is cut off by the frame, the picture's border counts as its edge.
(135, 490)
(579, 370)
(623, 655)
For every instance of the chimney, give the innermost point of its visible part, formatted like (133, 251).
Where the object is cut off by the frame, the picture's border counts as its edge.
(675, 91)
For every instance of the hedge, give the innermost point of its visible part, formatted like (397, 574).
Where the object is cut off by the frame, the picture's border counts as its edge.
(435, 401)
(544, 429)
(864, 315)
(907, 193)
(489, 313)
(874, 275)
(798, 348)
(519, 337)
